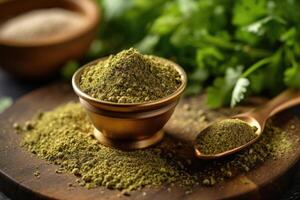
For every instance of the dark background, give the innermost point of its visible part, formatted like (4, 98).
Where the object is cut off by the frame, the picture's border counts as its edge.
(9, 87)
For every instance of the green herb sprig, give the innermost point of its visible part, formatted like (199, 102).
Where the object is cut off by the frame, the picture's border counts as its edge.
(213, 40)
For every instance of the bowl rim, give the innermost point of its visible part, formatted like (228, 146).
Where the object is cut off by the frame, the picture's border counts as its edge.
(88, 9)
(175, 94)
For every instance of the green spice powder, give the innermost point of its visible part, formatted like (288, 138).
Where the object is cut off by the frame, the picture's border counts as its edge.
(130, 77)
(63, 137)
(225, 135)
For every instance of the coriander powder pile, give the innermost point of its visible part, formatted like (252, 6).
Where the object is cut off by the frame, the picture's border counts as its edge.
(130, 77)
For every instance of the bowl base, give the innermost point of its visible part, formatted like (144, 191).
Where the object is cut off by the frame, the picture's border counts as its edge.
(128, 144)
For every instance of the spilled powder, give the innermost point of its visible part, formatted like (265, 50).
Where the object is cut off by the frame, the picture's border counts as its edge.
(63, 137)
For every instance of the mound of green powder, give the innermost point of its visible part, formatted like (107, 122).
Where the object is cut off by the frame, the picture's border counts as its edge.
(130, 77)
(224, 135)
(63, 137)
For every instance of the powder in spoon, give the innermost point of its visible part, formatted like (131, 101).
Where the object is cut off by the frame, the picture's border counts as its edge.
(130, 77)
(224, 135)
(41, 24)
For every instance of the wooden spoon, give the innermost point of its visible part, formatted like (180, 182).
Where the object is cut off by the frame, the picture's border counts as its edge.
(257, 117)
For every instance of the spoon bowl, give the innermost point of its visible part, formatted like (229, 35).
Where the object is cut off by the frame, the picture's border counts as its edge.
(257, 117)
(243, 117)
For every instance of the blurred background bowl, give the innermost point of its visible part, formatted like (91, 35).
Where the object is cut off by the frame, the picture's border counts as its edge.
(39, 59)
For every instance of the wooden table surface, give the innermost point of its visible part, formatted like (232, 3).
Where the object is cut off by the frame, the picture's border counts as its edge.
(10, 87)
(14, 89)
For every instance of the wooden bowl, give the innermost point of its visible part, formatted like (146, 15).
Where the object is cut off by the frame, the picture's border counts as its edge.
(129, 125)
(39, 59)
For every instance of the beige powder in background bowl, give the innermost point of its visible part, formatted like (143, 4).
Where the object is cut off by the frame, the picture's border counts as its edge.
(38, 37)
(41, 24)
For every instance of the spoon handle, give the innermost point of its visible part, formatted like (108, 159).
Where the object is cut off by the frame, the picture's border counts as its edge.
(286, 99)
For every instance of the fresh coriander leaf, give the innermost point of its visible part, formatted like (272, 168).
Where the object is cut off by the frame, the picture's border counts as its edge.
(208, 55)
(289, 37)
(115, 8)
(271, 26)
(257, 81)
(242, 35)
(232, 74)
(95, 48)
(5, 103)
(239, 91)
(220, 93)
(165, 24)
(194, 89)
(187, 7)
(258, 27)
(199, 75)
(69, 69)
(181, 37)
(217, 94)
(274, 74)
(247, 11)
(292, 76)
(147, 44)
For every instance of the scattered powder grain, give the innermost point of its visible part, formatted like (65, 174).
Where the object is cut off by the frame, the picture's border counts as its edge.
(62, 137)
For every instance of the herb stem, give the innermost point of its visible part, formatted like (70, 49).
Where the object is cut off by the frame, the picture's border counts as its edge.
(254, 52)
(256, 65)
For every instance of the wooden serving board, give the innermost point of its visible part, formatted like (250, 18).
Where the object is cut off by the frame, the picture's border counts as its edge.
(17, 166)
